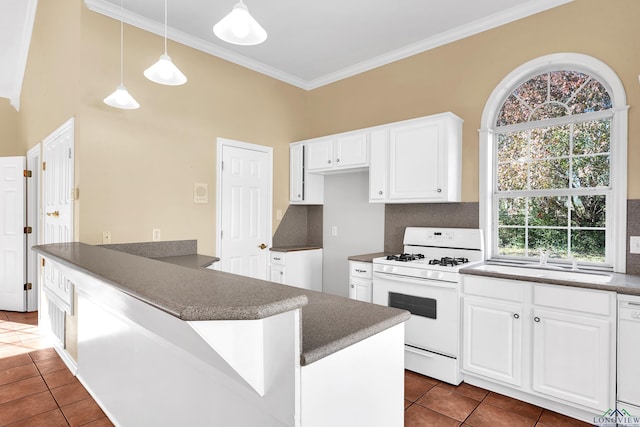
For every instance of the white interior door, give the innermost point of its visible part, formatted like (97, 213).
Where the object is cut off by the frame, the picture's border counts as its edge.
(244, 207)
(58, 197)
(12, 237)
(34, 219)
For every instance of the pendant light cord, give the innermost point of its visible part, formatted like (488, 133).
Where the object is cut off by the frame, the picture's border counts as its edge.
(121, 44)
(165, 27)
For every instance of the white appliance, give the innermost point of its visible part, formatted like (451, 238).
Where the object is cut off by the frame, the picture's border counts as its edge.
(425, 280)
(628, 350)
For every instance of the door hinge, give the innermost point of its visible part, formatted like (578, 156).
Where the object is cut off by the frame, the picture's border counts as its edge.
(69, 152)
(28, 286)
(221, 166)
(43, 262)
(44, 166)
(28, 230)
(27, 173)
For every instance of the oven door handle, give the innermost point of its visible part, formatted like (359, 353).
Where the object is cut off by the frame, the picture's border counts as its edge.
(418, 351)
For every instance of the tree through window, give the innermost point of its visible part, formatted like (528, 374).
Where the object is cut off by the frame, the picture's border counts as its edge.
(552, 168)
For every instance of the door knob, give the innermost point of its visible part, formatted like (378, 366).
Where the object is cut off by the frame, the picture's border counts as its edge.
(54, 214)
(262, 246)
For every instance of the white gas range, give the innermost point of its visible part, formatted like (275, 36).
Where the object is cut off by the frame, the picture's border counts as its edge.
(425, 281)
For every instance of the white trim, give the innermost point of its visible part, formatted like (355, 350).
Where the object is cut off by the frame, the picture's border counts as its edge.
(67, 359)
(619, 141)
(220, 143)
(504, 17)
(23, 53)
(34, 218)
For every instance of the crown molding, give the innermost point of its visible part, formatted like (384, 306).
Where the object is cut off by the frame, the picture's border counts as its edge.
(509, 15)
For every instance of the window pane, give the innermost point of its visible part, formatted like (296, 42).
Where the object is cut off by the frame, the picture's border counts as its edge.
(588, 211)
(511, 211)
(513, 146)
(549, 174)
(513, 111)
(550, 142)
(592, 137)
(554, 241)
(534, 91)
(511, 241)
(512, 176)
(565, 83)
(592, 97)
(549, 111)
(591, 172)
(548, 211)
(588, 245)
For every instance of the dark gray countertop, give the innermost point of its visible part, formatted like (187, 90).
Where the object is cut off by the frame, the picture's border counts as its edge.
(368, 257)
(293, 248)
(621, 283)
(329, 323)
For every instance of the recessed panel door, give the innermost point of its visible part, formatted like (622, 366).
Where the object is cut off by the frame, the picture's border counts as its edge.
(12, 237)
(245, 211)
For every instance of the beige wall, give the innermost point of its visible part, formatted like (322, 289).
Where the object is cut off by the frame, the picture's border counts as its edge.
(460, 76)
(10, 141)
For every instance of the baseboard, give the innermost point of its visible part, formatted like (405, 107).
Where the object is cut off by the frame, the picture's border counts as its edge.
(67, 359)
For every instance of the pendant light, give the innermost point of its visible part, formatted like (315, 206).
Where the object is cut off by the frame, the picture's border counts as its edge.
(164, 71)
(239, 27)
(121, 98)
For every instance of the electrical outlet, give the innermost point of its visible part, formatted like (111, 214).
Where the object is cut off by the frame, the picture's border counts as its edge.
(278, 214)
(106, 237)
(334, 230)
(634, 244)
(156, 235)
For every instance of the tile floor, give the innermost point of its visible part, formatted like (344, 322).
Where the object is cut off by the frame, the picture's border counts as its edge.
(37, 389)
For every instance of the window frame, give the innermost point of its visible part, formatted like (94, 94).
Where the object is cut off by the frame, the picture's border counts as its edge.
(617, 199)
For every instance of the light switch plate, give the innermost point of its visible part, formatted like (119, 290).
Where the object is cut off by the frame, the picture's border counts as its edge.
(634, 244)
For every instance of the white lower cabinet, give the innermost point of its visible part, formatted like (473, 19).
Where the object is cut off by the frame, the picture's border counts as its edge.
(300, 268)
(361, 281)
(550, 345)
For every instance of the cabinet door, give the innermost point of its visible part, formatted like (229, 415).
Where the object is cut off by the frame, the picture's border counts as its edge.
(492, 339)
(360, 289)
(319, 155)
(571, 358)
(276, 273)
(296, 173)
(378, 166)
(417, 160)
(351, 151)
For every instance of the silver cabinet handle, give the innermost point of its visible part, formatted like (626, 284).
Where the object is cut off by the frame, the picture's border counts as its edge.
(536, 319)
(352, 286)
(516, 316)
(380, 192)
(337, 160)
(360, 271)
(328, 161)
(439, 190)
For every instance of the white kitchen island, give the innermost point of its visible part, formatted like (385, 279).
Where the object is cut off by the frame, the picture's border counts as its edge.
(167, 345)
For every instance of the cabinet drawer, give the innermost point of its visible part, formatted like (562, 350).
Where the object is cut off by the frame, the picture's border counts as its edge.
(361, 269)
(510, 290)
(568, 298)
(277, 257)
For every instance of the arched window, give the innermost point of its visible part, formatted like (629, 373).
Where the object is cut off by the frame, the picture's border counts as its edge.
(553, 164)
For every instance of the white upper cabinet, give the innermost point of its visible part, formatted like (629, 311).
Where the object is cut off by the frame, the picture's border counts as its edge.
(413, 161)
(420, 163)
(340, 152)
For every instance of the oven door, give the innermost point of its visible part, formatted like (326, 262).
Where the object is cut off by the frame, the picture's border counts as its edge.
(434, 310)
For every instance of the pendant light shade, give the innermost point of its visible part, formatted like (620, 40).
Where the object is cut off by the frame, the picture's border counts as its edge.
(165, 71)
(121, 98)
(239, 27)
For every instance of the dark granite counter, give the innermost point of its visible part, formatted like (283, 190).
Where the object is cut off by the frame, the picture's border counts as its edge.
(368, 257)
(329, 323)
(620, 283)
(293, 248)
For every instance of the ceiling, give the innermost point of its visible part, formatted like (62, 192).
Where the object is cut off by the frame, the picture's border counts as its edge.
(309, 44)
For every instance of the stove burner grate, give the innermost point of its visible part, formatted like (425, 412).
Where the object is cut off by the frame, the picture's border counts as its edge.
(405, 257)
(448, 261)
